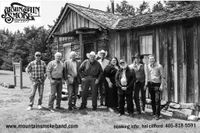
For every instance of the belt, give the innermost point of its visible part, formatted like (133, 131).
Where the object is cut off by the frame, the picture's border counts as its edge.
(90, 77)
(57, 78)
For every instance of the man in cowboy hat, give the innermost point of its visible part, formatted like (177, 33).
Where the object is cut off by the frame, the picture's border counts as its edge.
(138, 67)
(90, 72)
(125, 79)
(102, 85)
(72, 79)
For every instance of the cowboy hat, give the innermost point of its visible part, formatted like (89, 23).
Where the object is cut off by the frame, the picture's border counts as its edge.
(92, 53)
(137, 56)
(102, 51)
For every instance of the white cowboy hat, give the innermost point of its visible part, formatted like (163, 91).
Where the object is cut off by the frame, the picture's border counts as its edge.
(102, 51)
(92, 53)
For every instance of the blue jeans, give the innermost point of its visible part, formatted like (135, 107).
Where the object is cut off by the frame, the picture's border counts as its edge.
(72, 93)
(56, 93)
(40, 87)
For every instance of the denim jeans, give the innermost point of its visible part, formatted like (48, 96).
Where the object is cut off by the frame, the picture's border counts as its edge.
(155, 97)
(72, 93)
(139, 87)
(56, 93)
(36, 86)
(129, 100)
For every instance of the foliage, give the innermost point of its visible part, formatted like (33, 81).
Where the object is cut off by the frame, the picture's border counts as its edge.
(157, 7)
(143, 8)
(125, 9)
(22, 46)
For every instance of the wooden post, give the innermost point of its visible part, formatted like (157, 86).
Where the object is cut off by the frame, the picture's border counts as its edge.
(175, 64)
(196, 65)
(21, 78)
(81, 46)
(57, 43)
(14, 70)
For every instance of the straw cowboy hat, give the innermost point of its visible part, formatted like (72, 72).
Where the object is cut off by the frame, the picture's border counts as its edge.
(92, 53)
(102, 52)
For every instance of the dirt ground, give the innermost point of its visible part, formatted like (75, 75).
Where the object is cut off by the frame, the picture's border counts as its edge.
(13, 104)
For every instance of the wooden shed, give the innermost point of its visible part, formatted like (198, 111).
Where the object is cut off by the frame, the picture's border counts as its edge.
(173, 37)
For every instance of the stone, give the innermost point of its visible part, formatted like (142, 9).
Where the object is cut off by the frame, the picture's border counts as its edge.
(193, 118)
(187, 111)
(188, 106)
(180, 115)
(175, 105)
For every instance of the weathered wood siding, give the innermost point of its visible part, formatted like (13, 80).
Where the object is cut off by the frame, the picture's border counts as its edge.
(177, 47)
(73, 21)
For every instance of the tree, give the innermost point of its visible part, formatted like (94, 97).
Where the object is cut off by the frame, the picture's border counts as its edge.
(23, 45)
(143, 8)
(175, 4)
(125, 9)
(158, 7)
(108, 9)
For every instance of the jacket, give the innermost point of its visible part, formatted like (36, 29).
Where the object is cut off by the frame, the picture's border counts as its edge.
(131, 78)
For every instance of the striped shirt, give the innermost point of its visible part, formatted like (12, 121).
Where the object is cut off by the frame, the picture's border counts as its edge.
(37, 69)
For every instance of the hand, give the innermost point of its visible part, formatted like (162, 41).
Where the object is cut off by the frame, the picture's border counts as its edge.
(145, 87)
(160, 88)
(52, 81)
(110, 84)
(83, 79)
(124, 88)
(96, 81)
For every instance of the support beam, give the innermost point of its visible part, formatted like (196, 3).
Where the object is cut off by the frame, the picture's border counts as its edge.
(175, 64)
(196, 62)
(85, 32)
(81, 46)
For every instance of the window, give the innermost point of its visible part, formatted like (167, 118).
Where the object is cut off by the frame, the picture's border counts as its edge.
(146, 44)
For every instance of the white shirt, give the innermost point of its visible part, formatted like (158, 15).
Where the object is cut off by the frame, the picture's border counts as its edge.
(103, 63)
(154, 73)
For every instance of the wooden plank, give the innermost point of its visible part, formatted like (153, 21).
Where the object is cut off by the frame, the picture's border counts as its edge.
(71, 22)
(184, 89)
(79, 20)
(157, 45)
(128, 47)
(166, 63)
(175, 65)
(123, 45)
(196, 61)
(81, 46)
(179, 61)
(189, 61)
(154, 42)
(117, 43)
(170, 63)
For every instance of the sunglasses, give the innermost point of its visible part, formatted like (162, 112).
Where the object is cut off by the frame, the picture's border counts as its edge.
(38, 55)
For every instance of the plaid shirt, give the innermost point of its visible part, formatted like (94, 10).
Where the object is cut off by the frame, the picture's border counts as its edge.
(37, 69)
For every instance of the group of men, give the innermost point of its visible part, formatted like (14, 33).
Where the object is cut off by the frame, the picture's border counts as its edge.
(90, 74)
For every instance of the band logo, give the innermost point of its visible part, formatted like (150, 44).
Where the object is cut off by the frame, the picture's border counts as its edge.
(19, 13)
